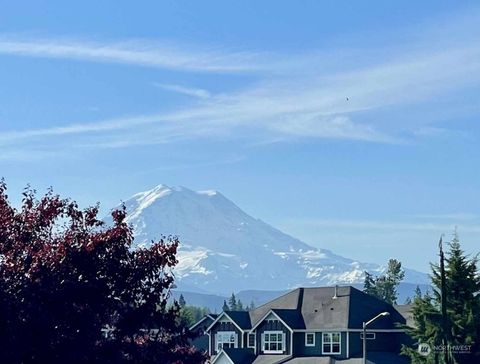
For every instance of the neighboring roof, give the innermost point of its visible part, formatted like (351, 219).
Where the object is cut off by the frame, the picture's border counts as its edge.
(237, 355)
(364, 307)
(210, 317)
(270, 359)
(241, 318)
(287, 301)
(293, 318)
(406, 312)
(320, 308)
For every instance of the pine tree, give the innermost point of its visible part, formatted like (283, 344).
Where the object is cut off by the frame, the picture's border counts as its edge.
(181, 301)
(369, 284)
(239, 306)
(225, 306)
(385, 286)
(393, 277)
(232, 302)
(252, 306)
(451, 316)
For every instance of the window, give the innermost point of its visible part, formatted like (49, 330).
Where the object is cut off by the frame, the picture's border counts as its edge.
(331, 343)
(369, 336)
(226, 339)
(251, 340)
(310, 339)
(273, 342)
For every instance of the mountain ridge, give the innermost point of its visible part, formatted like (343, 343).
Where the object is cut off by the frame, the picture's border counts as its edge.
(223, 249)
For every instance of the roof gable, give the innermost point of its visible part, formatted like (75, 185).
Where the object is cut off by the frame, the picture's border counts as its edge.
(289, 300)
(240, 319)
(236, 356)
(363, 307)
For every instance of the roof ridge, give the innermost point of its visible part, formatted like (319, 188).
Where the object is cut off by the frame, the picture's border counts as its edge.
(276, 298)
(300, 298)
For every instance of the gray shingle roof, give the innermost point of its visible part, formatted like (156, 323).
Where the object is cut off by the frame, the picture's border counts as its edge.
(293, 318)
(316, 308)
(241, 318)
(270, 359)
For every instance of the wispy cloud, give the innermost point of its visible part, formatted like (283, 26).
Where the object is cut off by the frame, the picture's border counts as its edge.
(383, 225)
(342, 103)
(189, 91)
(458, 216)
(135, 52)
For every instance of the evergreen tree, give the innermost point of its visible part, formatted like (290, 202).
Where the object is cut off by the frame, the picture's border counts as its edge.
(252, 306)
(451, 316)
(239, 306)
(385, 286)
(225, 306)
(181, 301)
(369, 284)
(232, 302)
(418, 292)
(393, 277)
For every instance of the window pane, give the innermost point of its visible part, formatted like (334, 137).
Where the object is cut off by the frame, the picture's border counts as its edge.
(273, 346)
(279, 346)
(336, 337)
(326, 348)
(326, 338)
(336, 348)
(267, 337)
(310, 339)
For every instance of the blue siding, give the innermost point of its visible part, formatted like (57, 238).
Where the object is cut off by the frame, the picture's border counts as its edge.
(269, 325)
(299, 348)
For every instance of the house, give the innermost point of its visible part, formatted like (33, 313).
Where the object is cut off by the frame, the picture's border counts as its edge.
(200, 330)
(308, 325)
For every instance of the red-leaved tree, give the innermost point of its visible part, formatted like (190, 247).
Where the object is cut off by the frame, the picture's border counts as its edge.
(74, 291)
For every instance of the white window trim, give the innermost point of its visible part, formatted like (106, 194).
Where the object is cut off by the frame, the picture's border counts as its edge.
(254, 342)
(306, 340)
(331, 343)
(275, 332)
(373, 337)
(225, 333)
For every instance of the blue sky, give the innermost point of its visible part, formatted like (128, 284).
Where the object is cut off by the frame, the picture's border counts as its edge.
(351, 125)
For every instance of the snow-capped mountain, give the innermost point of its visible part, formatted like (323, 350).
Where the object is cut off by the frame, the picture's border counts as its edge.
(223, 249)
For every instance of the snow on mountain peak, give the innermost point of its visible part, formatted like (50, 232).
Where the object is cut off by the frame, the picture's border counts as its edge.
(223, 249)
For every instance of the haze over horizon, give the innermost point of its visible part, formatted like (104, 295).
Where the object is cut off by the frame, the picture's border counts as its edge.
(351, 126)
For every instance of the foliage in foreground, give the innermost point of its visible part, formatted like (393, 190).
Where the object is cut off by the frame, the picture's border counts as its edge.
(73, 290)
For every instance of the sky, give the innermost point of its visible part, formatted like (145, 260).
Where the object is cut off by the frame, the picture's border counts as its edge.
(353, 126)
